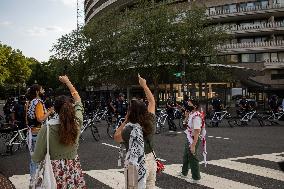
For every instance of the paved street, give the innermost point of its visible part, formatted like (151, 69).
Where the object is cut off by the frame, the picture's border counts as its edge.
(241, 157)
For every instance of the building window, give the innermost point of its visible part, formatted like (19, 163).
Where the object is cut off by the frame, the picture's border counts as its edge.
(277, 76)
(250, 6)
(246, 40)
(264, 4)
(281, 56)
(233, 8)
(248, 58)
(232, 58)
(262, 57)
(274, 57)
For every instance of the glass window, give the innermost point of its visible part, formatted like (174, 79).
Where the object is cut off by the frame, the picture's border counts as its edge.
(258, 39)
(281, 56)
(218, 10)
(274, 57)
(280, 37)
(246, 40)
(232, 58)
(264, 4)
(243, 6)
(250, 6)
(248, 58)
(261, 57)
(226, 8)
(233, 8)
(212, 10)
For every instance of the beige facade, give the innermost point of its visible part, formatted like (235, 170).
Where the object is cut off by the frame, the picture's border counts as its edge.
(257, 27)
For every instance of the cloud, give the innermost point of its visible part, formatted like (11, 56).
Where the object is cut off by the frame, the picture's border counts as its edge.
(5, 23)
(44, 31)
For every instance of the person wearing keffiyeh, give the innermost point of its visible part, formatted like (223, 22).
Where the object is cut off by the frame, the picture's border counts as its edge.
(137, 132)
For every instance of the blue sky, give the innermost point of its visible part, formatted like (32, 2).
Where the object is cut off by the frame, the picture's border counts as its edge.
(34, 25)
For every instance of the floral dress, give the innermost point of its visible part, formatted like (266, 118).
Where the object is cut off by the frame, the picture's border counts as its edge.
(68, 174)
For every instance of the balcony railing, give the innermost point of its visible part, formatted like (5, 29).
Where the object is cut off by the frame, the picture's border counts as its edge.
(268, 25)
(274, 64)
(246, 9)
(251, 45)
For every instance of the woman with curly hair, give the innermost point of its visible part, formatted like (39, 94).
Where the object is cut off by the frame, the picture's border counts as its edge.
(64, 132)
(137, 132)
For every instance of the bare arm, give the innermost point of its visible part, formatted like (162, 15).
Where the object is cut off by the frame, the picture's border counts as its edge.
(64, 79)
(118, 133)
(149, 95)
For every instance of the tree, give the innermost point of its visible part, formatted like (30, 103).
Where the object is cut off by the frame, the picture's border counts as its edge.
(5, 52)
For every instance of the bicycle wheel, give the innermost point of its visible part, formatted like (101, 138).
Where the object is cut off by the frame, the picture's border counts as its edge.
(110, 130)
(232, 122)
(95, 132)
(158, 128)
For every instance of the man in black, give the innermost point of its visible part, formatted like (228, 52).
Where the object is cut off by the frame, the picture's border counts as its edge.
(120, 105)
(217, 107)
(20, 112)
(217, 104)
(8, 110)
(170, 107)
(273, 103)
(243, 104)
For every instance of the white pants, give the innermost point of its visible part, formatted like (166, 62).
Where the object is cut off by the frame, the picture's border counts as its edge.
(151, 167)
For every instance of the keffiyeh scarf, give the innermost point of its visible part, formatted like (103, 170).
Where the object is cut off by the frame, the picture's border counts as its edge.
(135, 154)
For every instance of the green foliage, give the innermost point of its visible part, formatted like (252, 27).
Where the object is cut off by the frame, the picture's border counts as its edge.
(14, 67)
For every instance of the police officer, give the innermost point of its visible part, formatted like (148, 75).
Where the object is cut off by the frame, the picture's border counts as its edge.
(170, 107)
(120, 105)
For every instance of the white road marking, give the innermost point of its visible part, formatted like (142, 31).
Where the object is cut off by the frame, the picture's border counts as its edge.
(20, 181)
(207, 180)
(111, 145)
(218, 137)
(112, 178)
(210, 136)
(179, 132)
(226, 138)
(268, 157)
(248, 168)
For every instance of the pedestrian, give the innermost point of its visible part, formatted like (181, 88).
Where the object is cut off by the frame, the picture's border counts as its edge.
(20, 112)
(36, 116)
(170, 107)
(64, 132)
(137, 132)
(195, 129)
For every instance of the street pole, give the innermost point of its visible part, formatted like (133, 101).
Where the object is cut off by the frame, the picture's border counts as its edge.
(183, 54)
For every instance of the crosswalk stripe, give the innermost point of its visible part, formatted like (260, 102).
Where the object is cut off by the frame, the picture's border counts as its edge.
(268, 157)
(20, 181)
(112, 178)
(207, 180)
(247, 168)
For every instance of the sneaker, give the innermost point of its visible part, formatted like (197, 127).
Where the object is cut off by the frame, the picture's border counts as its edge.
(194, 181)
(181, 175)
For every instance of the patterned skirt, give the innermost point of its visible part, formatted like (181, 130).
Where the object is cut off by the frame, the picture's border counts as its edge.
(68, 174)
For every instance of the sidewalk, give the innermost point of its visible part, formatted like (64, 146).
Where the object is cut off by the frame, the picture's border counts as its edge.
(5, 182)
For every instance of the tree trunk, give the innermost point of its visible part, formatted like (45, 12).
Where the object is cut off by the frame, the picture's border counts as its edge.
(156, 90)
(200, 90)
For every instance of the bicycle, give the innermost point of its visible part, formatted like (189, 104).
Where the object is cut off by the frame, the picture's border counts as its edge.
(272, 118)
(218, 116)
(89, 122)
(15, 138)
(112, 126)
(245, 118)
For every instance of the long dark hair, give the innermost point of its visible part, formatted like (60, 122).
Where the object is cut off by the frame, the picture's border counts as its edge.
(69, 128)
(138, 113)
